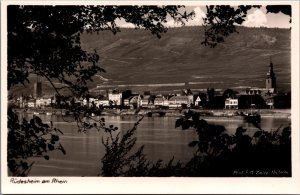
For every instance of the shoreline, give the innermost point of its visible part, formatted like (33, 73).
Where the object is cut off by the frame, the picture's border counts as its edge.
(205, 113)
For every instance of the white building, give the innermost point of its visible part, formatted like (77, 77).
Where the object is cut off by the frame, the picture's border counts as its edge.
(31, 103)
(197, 101)
(231, 103)
(115, 98)
(179, 101)
(43, 101)
(102, 102)
(161, 101)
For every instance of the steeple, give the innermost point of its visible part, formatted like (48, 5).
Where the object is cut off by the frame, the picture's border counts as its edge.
(37, 88)
(271, 79)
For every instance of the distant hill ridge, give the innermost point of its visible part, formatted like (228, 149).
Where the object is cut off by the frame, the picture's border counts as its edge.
(135, 57)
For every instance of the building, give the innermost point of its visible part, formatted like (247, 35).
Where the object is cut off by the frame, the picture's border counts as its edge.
(271, 79)
(249, 101)
(133, 102)
(198, 101)
(115, 98)
(37, 89)
(231, 103)
(126, 101)
(161, 102)
(44, 101)
(31, 103)
(102, 102)
(181, 101)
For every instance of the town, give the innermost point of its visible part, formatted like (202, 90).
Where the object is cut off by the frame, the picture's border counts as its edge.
(210, 98)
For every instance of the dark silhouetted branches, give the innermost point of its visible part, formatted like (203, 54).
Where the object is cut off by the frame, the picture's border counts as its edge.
(51, 36)
(221, 20)
(121, 159)
(27, 139)
(45, 41)
(220, 154)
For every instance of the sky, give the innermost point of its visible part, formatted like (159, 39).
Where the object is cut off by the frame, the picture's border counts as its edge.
(256, 17)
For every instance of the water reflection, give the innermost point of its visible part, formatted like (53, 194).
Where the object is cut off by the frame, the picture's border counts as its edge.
(159, 135)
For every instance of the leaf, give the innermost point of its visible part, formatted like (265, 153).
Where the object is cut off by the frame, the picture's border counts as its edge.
(178, 122)
(257, 134)
(193, 143)
(54, 138)
(38, 121)
(24, 165)
(60, 131)
(51, 147)
(63, 150)
(45, 126)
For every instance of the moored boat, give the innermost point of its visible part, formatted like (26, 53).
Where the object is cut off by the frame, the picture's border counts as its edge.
(252, 117)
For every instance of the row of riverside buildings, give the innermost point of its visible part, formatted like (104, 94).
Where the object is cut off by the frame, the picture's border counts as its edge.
(266, 97)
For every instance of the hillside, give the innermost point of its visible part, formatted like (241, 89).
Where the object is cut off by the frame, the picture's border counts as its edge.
(135, 59)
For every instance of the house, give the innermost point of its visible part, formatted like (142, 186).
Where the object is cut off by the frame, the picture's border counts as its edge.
(197, 101)
(85, 102)
(247, 101)
(181, 101)
(270, 101)
(161, 102)
(231, 103)
(145, 101)
(257, 91)
(91, 102)
(115, 98)
(20, 102)
(134, 102)
(44, 101)
(103, 102)
(126, 101)
(31, 103)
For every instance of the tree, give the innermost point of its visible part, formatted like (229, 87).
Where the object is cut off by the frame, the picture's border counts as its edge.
(51, 36)
(229, 93)
(221, 20)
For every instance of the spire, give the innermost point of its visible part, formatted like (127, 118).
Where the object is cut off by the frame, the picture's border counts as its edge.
(271, 72)
(271, 79)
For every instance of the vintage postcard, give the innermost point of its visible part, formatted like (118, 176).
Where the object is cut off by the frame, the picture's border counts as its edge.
(149, 97)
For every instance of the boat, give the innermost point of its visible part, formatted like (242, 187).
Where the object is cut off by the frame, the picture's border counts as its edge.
(36, 113)
(252, 117)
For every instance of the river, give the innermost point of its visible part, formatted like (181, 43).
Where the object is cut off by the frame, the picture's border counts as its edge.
(159, 135)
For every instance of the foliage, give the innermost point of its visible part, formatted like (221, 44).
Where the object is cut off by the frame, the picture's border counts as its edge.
(221, 20)
(51, 35)
(217, 154)
(229, 93)
(285, 9)
(120, 160)
(221, 154)
(29, 139)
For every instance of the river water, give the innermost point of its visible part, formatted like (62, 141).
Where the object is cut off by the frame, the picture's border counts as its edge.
(159, 135)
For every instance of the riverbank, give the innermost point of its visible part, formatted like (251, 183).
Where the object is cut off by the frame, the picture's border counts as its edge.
(205, 113)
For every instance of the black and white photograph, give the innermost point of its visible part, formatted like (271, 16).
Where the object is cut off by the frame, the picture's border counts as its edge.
(159, 91)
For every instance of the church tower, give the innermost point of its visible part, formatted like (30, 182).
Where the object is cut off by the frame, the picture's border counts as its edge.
(271, 79)
(37, 88)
